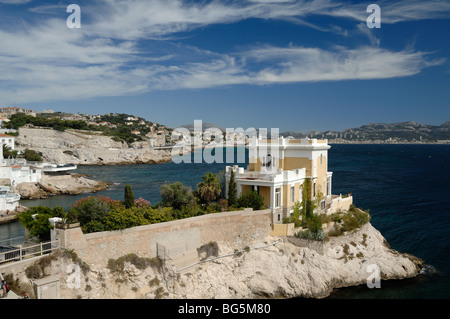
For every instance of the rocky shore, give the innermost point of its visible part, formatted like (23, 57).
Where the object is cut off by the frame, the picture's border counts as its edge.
(71, 184)
(291, 268)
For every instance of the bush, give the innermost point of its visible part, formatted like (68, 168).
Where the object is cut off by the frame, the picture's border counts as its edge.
(314, 224)
(141, 263)
(354, 219)
(251, 200)
(39, 226)
(32, 156)
(213, 208)
(176, 195)
(310, 235)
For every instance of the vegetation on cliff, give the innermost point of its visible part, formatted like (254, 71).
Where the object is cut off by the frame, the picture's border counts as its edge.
(119, 129)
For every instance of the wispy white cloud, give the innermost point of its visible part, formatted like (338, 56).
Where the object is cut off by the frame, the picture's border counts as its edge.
(15, 1)
(396, 11)
(45, 61)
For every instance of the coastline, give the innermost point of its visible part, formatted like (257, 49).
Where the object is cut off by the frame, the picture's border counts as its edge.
(12, 217)
(70, 184)
(287, 270)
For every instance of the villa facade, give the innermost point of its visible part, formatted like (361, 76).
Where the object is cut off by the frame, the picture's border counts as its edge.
(277, 171)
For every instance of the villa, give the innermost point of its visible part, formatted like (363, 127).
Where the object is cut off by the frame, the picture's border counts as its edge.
(277, 170)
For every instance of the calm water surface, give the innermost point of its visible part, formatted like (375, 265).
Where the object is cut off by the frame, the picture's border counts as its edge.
(406, 188)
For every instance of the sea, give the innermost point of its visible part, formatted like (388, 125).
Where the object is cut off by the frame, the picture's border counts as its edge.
(406, 188)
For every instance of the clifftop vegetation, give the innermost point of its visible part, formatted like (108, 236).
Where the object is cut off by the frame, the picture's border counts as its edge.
(118, 126)
(101, 213)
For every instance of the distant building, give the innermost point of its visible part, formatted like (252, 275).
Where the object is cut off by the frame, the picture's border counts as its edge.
(9, 111)
(8, 201)
(2, 121)
(8, 140)
(155, 139)
(46, 112)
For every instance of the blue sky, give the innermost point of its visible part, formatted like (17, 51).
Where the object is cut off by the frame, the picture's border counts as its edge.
(232, 63)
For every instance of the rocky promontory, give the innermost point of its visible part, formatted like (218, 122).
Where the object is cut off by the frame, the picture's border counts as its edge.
(70, 184)
(279, 267)
(86, 148)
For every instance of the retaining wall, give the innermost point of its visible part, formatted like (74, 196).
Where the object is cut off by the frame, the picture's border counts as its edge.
(232, 228)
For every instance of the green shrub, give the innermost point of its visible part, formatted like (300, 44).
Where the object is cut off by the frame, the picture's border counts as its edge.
(32, 156)
(354, 219)
(314, 223)
(176, 195)
(251, 200)
(310, 235)
(118, 265)
(213, 208)
(39, 226)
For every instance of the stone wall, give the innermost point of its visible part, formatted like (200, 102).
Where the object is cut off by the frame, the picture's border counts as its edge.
(237, 229)
(340, 204)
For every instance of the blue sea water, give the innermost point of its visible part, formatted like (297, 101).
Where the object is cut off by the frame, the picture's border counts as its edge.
(405, 187)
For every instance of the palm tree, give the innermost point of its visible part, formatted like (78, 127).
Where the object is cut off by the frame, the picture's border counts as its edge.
(209, 188)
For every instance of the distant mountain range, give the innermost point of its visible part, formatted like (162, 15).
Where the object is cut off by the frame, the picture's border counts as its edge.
(406, 131)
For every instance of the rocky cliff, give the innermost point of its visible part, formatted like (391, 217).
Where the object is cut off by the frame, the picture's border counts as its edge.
(288, 269)
(85, 148)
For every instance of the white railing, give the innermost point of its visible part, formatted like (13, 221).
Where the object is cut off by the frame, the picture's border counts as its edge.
(22, 253)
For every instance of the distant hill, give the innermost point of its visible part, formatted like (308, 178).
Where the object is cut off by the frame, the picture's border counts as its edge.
(408, 131)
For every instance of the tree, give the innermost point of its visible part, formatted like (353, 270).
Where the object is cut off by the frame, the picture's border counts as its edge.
(232, 191)
(8, 152)
(176, 195)
(308, 205)
(39, 226)
(295, 217)
(32, 156)
(209, 189)
(129, 197)
(252, 200)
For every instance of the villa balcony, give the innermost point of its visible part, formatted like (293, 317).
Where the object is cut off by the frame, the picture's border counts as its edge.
(270, 176)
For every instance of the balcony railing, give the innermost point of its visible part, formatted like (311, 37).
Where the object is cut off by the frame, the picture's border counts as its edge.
(19, 253)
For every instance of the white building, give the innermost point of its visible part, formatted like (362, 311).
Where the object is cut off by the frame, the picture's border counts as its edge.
(8, 201)
(8, 140)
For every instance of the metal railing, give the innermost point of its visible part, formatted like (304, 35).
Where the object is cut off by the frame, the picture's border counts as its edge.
(19, 253)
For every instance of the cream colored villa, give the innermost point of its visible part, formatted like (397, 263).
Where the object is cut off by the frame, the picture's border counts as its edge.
(278, 169)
